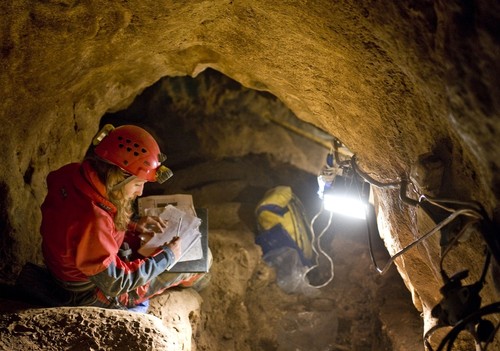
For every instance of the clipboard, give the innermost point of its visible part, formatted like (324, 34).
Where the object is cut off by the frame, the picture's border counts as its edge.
(200, 265)
(184, 202)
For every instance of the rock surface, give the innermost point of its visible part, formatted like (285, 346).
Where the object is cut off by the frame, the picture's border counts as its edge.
(393, 81)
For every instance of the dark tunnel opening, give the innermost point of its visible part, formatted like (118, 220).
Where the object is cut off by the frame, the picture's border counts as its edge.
(225, 147)
(213, 123)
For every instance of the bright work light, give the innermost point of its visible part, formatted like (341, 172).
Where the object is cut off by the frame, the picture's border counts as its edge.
(347, 196)
(346, 206)
(342, 192)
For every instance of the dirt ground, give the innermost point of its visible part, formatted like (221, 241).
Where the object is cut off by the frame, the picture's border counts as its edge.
(242, 308)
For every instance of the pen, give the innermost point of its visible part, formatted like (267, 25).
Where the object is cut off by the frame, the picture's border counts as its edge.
(179, 227)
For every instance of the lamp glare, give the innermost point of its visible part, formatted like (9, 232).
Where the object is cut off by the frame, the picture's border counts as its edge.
(345, 205)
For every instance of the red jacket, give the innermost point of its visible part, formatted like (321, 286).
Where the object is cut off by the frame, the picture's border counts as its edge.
(79, 239)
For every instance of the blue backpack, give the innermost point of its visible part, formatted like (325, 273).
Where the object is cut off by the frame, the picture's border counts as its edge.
(281, 222)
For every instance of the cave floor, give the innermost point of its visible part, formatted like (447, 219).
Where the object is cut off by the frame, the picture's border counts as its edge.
(242, 308)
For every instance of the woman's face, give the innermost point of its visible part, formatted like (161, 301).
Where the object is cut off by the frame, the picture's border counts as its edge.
(134, 188)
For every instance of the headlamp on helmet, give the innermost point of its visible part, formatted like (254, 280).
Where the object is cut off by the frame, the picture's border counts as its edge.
(132, 149)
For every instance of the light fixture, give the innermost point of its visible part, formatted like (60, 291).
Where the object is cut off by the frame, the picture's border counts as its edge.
(347, 196)
(344, 192)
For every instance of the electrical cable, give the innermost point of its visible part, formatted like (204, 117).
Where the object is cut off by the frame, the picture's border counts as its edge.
(478, 285)
(450, 338)
(438, 227)
(492, 337)
(366, 177)
(441, 324)
(321, 251)
(313, 236)
(429, 333)
(438, 202)
(472, 210)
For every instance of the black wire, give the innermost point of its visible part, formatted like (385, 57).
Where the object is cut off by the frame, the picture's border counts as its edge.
(369, 179)
(492, 337)
(485, 267)
(371, 215)
(402, 195)
(429, 333)
(478, 284)
(472, 205)
(453, 334)
(378, 184)
(460, 326)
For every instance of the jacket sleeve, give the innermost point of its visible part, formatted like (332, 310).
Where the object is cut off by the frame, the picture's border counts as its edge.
(121, 277)
(97, 257)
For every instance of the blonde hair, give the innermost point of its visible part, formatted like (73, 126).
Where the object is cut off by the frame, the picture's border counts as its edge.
(111, 175)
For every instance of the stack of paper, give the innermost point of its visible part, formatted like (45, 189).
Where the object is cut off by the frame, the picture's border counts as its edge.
(178, 211)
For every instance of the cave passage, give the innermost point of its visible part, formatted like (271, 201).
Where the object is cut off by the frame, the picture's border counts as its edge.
(229, 145)
(411, 87)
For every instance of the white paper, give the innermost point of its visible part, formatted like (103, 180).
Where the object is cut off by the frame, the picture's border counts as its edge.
(178, 224)
(181, 221)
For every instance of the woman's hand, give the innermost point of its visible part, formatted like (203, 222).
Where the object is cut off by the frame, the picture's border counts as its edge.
(150, 225)
(175, 246)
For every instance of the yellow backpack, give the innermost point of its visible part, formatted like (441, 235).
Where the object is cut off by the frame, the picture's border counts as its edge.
(281, 221)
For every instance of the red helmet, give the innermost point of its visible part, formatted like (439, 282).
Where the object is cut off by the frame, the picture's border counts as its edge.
(132, 149)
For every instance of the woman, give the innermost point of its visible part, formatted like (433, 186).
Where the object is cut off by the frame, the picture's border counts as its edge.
(86, 215)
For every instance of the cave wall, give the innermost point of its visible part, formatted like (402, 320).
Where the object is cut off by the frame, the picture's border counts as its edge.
(392, 80)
